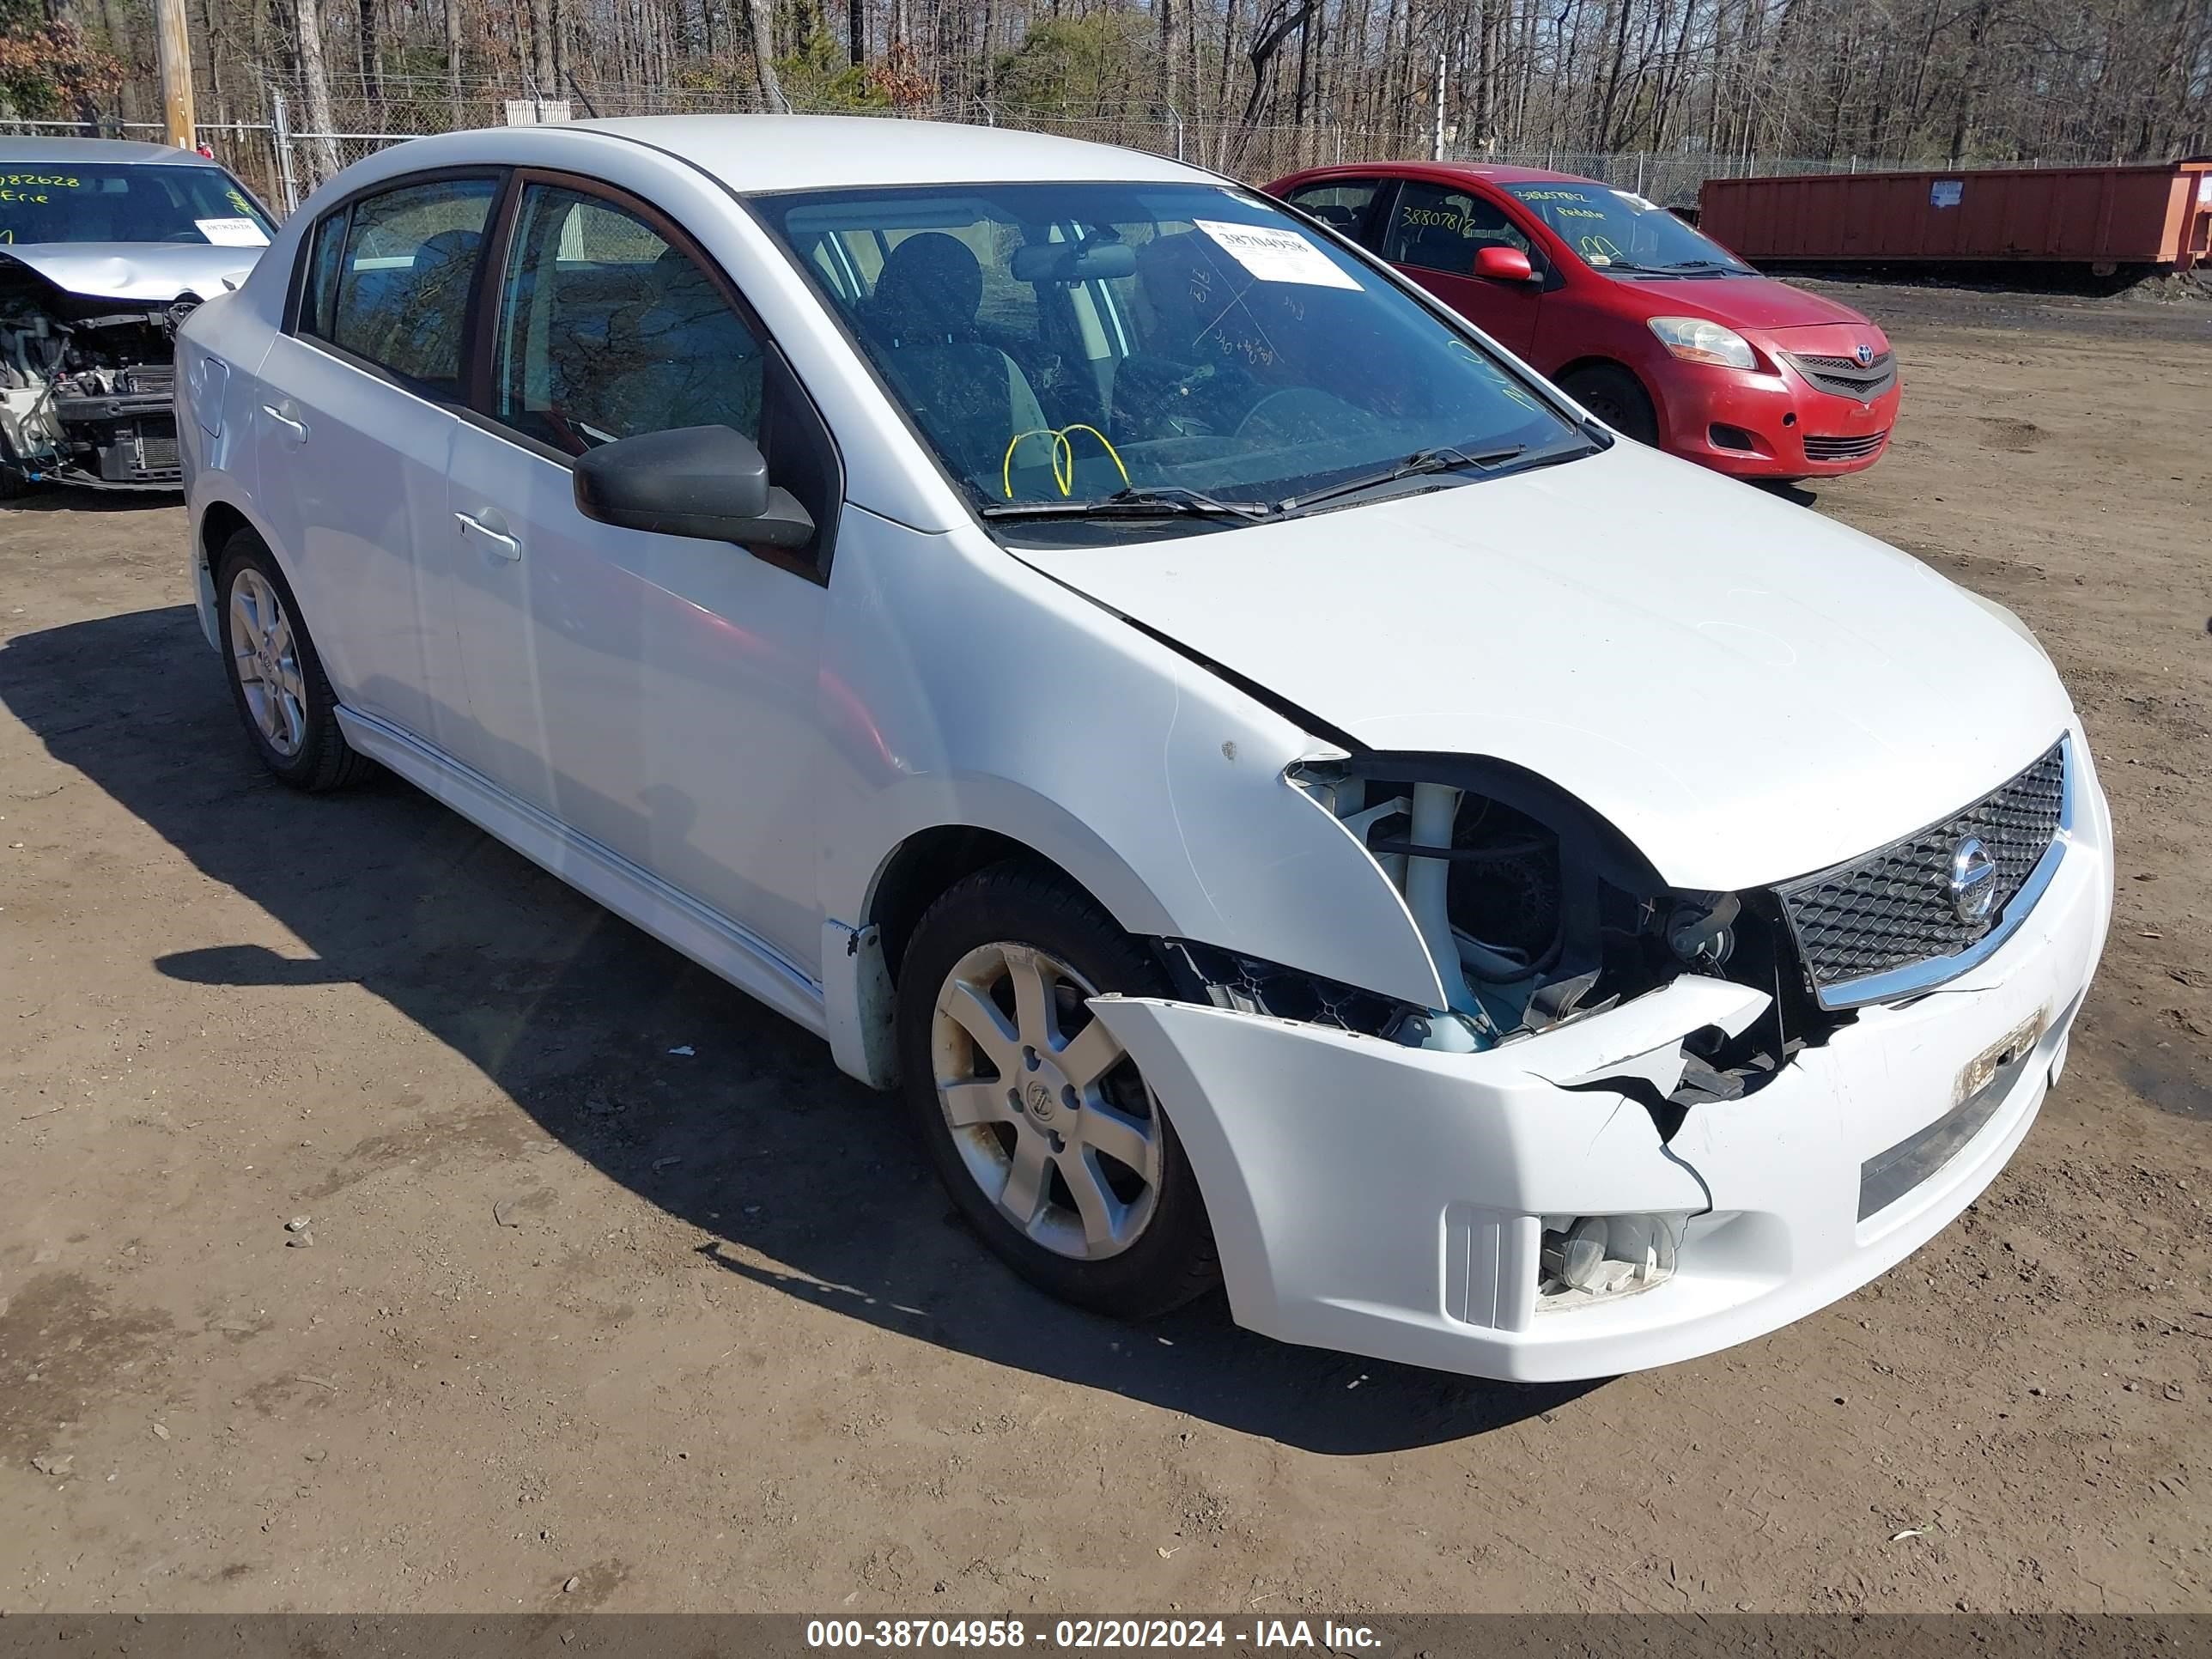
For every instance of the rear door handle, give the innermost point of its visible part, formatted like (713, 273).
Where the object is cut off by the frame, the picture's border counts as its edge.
(498, 543)
(298, 428)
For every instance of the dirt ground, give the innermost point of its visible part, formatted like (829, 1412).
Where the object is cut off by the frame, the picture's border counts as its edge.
(614, 1279)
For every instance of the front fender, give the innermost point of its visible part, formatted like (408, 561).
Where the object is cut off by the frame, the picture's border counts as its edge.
(1152, 781)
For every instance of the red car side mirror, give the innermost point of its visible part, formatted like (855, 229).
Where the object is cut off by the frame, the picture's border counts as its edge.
(1503, 264)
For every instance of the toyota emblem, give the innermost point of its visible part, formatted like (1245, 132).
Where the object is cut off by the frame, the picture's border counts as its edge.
(1865, 354)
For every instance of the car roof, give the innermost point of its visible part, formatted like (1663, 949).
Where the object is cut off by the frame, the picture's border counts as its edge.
(1496, 173)
(123, 151)
(760, 152)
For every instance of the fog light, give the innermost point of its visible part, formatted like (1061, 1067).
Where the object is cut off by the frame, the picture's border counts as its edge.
(1582, 1253)
(1592, 1258)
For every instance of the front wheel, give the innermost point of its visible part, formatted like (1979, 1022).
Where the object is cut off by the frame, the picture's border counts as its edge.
(1615, 397)
(1038, 1121)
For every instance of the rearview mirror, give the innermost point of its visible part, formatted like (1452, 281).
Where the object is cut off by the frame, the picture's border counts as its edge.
(1503, 264)
(710, 482)
(1074, 262)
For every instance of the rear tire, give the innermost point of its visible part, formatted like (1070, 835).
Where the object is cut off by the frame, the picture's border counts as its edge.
(1042, 1131)
(1617, 398)
(276, 681)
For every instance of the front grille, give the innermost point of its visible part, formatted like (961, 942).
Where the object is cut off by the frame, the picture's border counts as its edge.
(1845, 449)
(1892, 909)
(1847, 377)
(150, 377)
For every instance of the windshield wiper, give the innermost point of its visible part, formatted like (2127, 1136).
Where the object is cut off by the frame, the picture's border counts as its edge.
(1415, 465)
(1134, 503)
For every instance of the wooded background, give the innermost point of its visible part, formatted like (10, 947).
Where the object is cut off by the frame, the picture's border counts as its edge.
(1251, 86)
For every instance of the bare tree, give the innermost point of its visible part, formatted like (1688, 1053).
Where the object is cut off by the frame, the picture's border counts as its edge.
(759, 24)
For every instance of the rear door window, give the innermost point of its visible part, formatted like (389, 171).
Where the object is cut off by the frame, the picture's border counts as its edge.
(395, 292)
(1340, 203)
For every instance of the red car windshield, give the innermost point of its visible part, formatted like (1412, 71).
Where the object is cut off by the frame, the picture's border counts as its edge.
(1618, 230)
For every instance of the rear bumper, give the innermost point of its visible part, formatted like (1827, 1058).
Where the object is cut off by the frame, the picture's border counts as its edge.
(1389, 1201)
(1754, 425)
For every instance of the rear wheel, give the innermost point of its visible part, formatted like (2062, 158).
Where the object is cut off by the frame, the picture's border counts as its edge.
(276, 680)
(1615, 397)
(1039, 1123)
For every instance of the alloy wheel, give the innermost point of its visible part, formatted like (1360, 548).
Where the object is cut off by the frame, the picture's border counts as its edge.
(1046, 1109)
(267, 658)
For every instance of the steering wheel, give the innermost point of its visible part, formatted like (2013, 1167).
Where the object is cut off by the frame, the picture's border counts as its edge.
(1294, 414)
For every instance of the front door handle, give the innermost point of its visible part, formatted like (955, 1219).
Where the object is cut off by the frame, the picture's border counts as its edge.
(298, 429)
(498, 543)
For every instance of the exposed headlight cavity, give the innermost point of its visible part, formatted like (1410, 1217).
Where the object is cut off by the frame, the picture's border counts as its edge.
(1535, 911)
(1698, 340)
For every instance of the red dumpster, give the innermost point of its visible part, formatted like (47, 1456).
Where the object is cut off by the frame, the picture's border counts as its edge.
(2157, 216)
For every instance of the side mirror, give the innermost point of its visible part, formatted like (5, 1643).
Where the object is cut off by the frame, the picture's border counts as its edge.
(709, 481)
(1501, 264)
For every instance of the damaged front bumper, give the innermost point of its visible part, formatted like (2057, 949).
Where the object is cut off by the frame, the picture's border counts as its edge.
(1394, 1201)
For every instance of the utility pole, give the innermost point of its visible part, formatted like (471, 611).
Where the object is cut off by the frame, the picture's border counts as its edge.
(1437, 145)
(176, 55)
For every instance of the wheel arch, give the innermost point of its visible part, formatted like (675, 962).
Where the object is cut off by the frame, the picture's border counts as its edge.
(217, 518)
(219, 522)
(866, 934)
(1643, 382)
(927, 865)
(1560, 376)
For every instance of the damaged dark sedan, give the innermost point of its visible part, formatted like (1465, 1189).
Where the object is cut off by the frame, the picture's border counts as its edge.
(104, 247)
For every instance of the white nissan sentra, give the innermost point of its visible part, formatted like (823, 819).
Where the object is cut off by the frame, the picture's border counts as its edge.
(1289, 800)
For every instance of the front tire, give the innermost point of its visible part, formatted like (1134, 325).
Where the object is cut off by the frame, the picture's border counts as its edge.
(1037, 1121)
(276, 680)
(1618, 398)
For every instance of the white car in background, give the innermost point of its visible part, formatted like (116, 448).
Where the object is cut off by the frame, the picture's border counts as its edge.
(104, 248)
(1293, 802)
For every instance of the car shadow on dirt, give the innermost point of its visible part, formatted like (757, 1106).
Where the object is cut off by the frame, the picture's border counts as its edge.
(727, 1117)
(71, 498)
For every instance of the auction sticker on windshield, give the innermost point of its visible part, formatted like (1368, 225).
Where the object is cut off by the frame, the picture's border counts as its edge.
(233, 233)
(1275, 256)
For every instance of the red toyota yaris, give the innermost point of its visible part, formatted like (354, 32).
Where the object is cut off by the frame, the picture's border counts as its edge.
(1659, 332)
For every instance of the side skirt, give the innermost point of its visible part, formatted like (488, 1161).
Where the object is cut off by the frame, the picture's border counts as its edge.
(707, 936)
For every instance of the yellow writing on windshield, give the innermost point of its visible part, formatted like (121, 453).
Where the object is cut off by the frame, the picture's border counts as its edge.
(1496, 376)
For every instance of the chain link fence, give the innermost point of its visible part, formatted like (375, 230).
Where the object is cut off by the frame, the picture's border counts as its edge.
(284, 159)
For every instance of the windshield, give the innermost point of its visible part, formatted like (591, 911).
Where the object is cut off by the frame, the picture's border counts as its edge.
(107, 203)
(1618, 230)
(1059, 343)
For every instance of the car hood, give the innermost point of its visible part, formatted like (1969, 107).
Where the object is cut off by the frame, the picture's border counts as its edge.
(155, 272)
(1747, 690)
(1756, 302)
